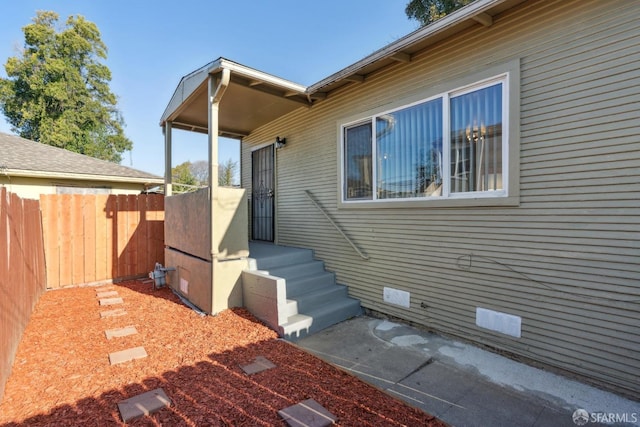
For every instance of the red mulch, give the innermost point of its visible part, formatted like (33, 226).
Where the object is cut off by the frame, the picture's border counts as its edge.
(62, 376)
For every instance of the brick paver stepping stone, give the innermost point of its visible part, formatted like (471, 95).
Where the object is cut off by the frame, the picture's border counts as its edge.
(104, 288)
(127, 355)
(143, 404)
(113, 313)
(307, 413)
(260, 364)
(120, 332)
(111, 301)
(106, 294)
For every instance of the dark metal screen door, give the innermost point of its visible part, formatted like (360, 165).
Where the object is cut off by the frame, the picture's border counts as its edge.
(262, 203)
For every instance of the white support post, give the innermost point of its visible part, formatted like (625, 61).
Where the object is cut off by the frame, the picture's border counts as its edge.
(167, 159)
(216, 91)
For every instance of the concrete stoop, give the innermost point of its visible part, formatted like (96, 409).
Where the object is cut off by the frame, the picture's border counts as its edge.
(314, 300)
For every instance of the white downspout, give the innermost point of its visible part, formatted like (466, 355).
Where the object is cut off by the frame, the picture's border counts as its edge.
(216, 91)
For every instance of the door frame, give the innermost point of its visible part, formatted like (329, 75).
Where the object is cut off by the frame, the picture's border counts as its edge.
(274, 222)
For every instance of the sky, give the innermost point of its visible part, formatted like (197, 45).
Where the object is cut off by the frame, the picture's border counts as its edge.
(153, 44)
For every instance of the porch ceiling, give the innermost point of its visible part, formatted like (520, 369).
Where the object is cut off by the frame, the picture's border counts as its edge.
(253, 98)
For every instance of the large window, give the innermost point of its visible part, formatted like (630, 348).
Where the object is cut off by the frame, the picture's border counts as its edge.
(448, 146)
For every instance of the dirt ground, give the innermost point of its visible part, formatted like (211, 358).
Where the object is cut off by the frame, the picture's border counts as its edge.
(62, 376)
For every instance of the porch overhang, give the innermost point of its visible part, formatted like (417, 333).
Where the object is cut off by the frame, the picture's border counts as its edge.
(252, 99)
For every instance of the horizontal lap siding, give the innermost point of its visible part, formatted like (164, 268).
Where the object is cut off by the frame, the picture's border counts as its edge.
(567, 260)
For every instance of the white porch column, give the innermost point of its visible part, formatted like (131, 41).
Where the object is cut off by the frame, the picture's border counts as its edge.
(216, 91)
(166, 130)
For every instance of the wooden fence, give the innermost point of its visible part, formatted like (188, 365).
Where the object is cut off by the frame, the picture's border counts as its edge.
(22, 272)
(94, 238)
(66, 240)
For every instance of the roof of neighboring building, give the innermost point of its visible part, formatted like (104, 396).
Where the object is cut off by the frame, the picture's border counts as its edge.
(23, 157)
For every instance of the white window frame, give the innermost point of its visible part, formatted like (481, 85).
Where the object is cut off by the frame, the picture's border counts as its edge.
(508, 76)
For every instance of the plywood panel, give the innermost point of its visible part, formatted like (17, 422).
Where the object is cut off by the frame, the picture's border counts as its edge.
(101, 248)
(121, 235)
(112, 236)
(51, 243)
(89, 235)
(65, 238)
(158, 201)
(77, 239)
(133, 220)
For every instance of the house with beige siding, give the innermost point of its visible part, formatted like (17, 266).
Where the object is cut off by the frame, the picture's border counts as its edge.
(478, 177)
(30, 169)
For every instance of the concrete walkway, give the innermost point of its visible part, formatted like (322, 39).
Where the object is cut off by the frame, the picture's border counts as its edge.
(462, 384)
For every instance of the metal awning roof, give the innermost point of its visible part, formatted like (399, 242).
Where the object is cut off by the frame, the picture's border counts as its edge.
(254, 98)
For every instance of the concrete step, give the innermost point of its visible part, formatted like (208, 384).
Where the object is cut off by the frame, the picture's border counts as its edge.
(297, 270)
(111, 301)
(291, 308)
(307, 413)
(309, 283)
(120, 332)
(323, 316)
(297, 326)
(127, 355)
(309, 300)
(143, 404)
(283, 258)
(314, 300)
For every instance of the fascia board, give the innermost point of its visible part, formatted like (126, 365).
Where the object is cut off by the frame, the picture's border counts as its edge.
(79, 176)
(194, 80)
(263, 77)
(187, 86)
(455, 18)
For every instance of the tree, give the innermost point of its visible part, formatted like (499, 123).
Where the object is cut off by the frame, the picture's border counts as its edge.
(200, 171)
(181, 174)
(428, 11)
(227, 173)
(57, 90)
(189, 176)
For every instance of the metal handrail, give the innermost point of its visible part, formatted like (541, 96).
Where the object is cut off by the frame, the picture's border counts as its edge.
(337, 227)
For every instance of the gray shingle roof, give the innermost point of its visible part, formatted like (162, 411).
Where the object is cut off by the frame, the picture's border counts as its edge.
(20, 154)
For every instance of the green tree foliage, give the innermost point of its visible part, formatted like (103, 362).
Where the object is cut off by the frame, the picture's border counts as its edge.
(181, 174)
(190, 176)
(428, 11)
(57, 91)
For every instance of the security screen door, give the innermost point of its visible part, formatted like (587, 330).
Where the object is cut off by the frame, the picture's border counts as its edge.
(262, 203)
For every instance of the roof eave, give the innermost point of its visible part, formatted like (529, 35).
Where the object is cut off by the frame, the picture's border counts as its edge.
(475, 11)
(191, 83)
(79, 176)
